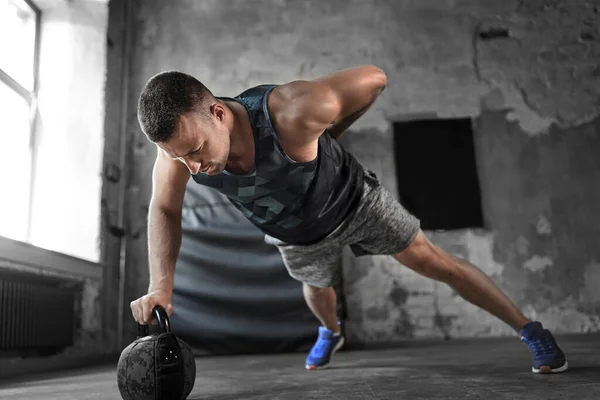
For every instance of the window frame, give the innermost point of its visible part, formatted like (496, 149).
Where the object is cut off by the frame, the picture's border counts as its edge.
(31, 97)
(22, 254)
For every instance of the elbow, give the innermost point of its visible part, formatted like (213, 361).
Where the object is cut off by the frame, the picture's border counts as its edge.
(379, 77)
(160, 211)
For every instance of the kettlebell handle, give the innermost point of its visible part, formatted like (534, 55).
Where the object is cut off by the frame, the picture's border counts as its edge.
(162, 318)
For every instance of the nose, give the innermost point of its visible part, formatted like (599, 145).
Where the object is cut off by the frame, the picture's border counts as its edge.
(193, 166)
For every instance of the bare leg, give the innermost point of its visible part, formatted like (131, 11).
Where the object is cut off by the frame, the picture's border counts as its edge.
(469, 282)
(322, 302)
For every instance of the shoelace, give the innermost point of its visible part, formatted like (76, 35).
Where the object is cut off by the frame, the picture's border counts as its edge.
(542, 345)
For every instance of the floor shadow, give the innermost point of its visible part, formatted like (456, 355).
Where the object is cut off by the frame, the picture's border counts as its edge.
(472, 370)
(580, 369)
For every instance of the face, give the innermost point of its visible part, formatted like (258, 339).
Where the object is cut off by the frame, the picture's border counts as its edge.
(201, 144)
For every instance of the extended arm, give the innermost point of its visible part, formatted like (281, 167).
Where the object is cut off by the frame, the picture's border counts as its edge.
(169, 179)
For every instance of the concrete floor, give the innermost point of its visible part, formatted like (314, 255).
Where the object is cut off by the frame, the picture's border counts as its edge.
(466, 369)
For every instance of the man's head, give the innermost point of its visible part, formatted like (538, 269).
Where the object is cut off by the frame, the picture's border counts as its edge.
(180, 115)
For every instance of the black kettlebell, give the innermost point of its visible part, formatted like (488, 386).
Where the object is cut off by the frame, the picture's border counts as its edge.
(156, 367)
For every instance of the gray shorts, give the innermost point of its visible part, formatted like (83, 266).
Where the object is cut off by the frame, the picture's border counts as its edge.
(379, 225)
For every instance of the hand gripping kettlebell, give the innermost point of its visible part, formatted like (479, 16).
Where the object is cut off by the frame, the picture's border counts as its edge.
(156, 367)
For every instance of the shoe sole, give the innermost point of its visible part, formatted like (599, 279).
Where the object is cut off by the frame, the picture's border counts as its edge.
(335, 349)
(545, 369)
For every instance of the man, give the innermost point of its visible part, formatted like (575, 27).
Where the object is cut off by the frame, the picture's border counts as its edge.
(273, 151)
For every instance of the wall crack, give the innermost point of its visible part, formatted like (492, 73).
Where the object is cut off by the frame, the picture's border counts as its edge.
(475, 58)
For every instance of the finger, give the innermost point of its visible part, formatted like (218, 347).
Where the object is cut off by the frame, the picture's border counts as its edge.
(169, 309)
(134, 310)
(139, 311)
(147, 306)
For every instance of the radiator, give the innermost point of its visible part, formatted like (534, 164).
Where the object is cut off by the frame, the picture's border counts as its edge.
(37, 313)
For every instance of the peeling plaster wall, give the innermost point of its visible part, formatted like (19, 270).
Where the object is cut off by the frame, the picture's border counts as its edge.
(551, 53)
(533, 95)
(541, 202)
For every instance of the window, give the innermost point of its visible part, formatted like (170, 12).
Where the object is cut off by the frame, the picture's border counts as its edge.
(437, 173)
(52, 110)
(19, 33)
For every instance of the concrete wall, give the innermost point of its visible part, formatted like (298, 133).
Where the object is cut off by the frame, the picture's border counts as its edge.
(533, 95)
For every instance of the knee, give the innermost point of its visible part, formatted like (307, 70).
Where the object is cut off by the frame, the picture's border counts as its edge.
(428, 260)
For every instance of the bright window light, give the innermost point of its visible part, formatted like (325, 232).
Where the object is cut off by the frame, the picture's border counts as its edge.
(15, 164)
(18, 25)
(52, 70)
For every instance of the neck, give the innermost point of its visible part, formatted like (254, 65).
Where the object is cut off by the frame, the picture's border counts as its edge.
(241, 148)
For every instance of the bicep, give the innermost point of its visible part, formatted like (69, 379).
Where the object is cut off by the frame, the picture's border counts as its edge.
(169, 180)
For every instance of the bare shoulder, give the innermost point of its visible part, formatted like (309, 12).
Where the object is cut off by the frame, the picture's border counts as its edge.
(302, 96)
(298, 89)
(303, 109)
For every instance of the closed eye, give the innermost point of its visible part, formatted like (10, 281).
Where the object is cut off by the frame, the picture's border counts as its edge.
(199, 148)
(195, 151)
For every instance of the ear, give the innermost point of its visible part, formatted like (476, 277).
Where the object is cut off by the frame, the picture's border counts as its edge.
(218, 111)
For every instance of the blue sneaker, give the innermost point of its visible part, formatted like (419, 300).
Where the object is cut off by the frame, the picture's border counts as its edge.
(321, 353)
(548, 358)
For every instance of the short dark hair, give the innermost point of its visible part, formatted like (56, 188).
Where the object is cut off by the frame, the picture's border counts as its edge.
(165, 97)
